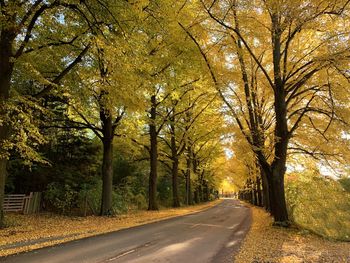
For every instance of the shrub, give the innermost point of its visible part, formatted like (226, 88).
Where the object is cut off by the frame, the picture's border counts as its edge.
(90, 199)
(61, 197)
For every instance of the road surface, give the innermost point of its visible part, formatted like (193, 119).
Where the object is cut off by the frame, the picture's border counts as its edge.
(213, 235)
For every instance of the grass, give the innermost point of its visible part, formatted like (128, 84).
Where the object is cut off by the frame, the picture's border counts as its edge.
(266, 243)
(28, 232)
(320, 205)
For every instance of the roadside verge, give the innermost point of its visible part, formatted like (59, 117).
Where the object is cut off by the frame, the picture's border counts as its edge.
(266, 243)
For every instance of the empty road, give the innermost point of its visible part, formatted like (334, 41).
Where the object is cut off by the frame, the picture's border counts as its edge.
(212, 235)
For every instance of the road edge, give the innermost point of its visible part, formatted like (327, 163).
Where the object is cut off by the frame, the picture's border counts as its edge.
(61, 241)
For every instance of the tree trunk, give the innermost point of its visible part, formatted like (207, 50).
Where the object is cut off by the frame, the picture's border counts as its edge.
(278, 167)
(259, 196)
(266, 190)
(3, 163)
(6, 69)
(175, 169)
(188, 182)
(107, 165)
(196, 196)
(175, 164)
(278, 201)
(255, 193)
(152, 192)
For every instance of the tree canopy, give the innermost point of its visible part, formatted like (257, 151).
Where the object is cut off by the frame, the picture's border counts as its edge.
(170, 99)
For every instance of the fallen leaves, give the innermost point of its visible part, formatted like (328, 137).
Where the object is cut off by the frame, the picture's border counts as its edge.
(266, 243)
(28, 232)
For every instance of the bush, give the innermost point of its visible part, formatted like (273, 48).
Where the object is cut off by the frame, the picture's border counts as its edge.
(140, 201)
(90, 199)
(64, 199)
(61, 197)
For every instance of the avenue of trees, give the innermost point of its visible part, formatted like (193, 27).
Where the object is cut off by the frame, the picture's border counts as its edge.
(104, 103)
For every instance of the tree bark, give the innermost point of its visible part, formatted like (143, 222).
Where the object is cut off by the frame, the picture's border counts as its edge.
(153, 151)
(107, 164)
(175, 163)
(278, 166)
(255, 193)
(175, 170)
(6, 70)
(259, 191)
(3, 163)
(266, 190)
(278, 204)
(189, 200)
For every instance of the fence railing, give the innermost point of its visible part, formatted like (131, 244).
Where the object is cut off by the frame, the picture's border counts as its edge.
(26, 204)
(14, 203)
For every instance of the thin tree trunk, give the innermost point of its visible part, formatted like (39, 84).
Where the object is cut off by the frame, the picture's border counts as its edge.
(107, 165)
(152, 192)
(175, 170)
(255, 193)
(189, 200)
(175, 162)
(196, 196)
(258, 186)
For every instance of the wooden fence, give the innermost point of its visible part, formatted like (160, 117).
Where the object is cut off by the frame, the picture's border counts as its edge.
(14, 203)
(21, 203)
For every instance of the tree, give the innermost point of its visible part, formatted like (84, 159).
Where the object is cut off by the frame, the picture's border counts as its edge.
(21, 19)
(101, 97)
(183, 116)
(268, 34)
(61, 32)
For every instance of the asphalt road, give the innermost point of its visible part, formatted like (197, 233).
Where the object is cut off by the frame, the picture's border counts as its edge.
(213, 235)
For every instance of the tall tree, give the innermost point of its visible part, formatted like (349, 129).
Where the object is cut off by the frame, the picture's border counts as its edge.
(269, 34)
(20, 39)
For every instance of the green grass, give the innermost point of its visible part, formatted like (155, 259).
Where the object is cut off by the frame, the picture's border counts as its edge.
(319, 205)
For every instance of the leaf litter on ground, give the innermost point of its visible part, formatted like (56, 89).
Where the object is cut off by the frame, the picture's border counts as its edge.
(268, 243)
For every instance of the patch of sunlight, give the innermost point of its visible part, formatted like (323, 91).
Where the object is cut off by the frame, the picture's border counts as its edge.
(178, 246)
(232, 243)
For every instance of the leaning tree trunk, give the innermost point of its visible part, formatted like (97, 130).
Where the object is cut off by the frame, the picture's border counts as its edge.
(6, 69)
(107, 164)
(152, 189)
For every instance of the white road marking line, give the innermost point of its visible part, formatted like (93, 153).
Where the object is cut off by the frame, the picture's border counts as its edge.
(122, 255)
